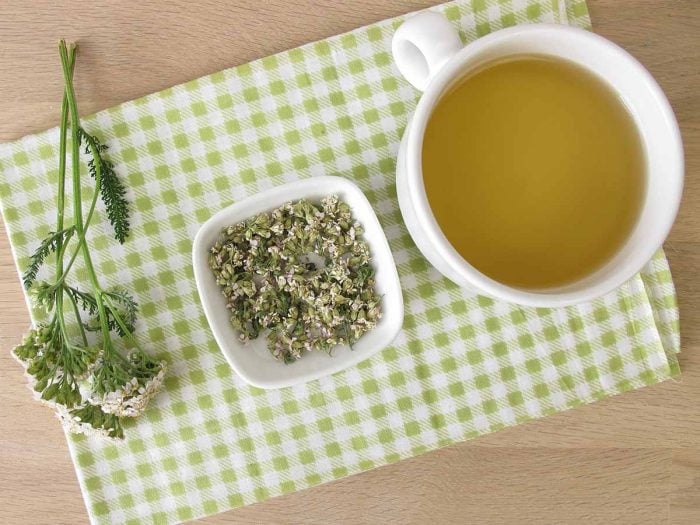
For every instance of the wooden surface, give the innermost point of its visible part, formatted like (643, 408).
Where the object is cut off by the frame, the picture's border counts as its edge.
(632, 459)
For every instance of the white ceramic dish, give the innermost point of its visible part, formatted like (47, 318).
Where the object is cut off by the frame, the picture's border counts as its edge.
(252, 361)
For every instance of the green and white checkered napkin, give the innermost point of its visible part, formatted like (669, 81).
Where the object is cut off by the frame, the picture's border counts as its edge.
(462, 366)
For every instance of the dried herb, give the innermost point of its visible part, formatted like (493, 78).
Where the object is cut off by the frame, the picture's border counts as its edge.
(302, 273)
(92, 382)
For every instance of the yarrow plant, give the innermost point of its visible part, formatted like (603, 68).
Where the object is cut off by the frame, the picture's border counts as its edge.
(301, 272)
(92, 380)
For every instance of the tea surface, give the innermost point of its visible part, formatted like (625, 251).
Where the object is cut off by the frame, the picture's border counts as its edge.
(534, 171)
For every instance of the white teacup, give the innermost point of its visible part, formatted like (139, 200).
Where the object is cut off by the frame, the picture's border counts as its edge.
(430, 55)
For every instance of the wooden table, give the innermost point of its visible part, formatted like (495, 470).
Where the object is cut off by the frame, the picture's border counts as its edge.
(633, 459)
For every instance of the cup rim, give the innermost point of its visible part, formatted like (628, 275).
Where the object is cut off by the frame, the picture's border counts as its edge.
(417, 195)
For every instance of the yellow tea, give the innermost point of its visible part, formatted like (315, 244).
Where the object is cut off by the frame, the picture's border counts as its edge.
(534, 171)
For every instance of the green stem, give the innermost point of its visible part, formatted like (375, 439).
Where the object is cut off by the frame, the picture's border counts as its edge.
(88, 218)
(60, 198)
(53, 373)
(76, 311)
(77, 198)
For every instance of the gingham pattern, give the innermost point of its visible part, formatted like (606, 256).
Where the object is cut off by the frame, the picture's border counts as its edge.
(462, 366)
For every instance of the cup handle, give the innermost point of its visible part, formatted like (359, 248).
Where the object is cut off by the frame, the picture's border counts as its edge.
(422, 45)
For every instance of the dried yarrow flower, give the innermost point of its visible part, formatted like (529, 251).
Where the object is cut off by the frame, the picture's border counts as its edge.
(130, 398)
(302, 273)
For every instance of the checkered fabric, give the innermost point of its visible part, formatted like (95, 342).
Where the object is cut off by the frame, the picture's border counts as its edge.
(462, 366)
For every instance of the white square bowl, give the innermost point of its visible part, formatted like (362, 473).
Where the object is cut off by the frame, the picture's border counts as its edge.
(253, 361)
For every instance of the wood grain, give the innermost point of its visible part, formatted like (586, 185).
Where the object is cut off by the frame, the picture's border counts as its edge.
(632, 459)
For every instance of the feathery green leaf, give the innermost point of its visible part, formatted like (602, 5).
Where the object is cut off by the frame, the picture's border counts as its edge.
(127, 308)
(112, 191)
(45, 248)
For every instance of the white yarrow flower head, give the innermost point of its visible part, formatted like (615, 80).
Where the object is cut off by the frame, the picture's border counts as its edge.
(132, 398)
